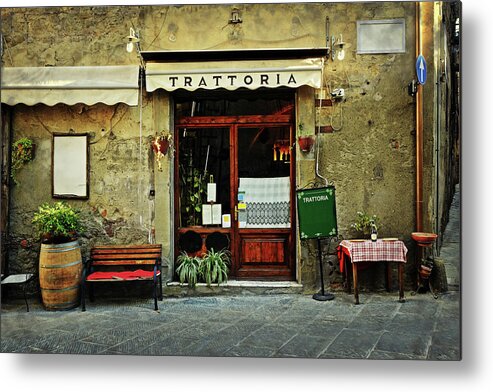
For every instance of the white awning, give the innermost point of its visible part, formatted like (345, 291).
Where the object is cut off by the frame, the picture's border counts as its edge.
(70, 85)
(231, 75)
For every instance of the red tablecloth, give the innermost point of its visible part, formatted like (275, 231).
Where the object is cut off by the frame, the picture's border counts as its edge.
(369, 251)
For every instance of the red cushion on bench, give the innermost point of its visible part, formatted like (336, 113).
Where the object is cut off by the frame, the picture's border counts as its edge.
(122, 275)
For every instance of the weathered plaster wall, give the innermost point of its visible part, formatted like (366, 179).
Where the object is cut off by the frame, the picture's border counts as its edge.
(118, 208)
(370, 154)
(65, 36)
(163, 183)
(206, 27)
(370, 159)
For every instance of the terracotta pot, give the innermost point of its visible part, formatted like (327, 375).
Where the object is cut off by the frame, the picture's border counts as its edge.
(424, 238)
(305, 143)
(48, 238)
(162, 144)
(424, 271)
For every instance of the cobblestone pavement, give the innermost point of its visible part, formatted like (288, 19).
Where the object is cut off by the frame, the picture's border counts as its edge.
(290, 325)
(450, 250)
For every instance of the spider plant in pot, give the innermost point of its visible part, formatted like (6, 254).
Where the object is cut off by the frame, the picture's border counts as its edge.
(188, 269)
(214, 267)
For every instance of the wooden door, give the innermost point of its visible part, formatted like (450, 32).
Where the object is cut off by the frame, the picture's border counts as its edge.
(242, 153)
(263, 185)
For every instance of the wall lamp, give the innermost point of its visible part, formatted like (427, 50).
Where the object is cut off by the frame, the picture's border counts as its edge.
(131, 40)
(235, 16)
(337, 46)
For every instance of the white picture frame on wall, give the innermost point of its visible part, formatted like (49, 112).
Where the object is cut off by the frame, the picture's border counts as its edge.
(70, 166)
(381, 36)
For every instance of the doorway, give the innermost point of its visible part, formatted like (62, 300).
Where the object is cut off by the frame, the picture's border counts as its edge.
(249, 159)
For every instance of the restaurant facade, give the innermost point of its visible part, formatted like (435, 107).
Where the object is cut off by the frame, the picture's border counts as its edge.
(202, 122)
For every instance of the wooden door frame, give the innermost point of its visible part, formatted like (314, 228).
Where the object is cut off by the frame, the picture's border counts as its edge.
(6, 132)
(234, 123)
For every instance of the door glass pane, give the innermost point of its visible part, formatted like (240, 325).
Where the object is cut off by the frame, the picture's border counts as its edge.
(264, 157)
(203, 159)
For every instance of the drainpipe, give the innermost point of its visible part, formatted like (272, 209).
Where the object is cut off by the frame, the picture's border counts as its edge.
(439, 42)
(419, 131)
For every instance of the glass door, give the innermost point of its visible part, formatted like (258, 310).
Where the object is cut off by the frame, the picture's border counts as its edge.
(237, 148)
(264, 195)
(203, 189)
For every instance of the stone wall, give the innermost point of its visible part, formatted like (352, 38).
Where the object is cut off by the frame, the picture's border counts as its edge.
(369, 155)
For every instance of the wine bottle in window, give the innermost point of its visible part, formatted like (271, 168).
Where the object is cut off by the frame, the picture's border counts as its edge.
(373, 233)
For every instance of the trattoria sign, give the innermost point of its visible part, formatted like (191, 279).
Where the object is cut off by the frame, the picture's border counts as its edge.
(233, 75)
(317, 212)
(231, 80)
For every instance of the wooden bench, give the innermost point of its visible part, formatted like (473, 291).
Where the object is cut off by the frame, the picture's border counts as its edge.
(118, 263)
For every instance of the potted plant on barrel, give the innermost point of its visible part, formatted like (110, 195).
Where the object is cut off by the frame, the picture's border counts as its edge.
(57, 223)
(60, 260)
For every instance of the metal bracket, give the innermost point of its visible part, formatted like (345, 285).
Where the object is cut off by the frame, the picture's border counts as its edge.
(332, 44)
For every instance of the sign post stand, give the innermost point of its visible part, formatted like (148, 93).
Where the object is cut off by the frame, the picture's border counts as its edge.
(317, 220)
(322, 295)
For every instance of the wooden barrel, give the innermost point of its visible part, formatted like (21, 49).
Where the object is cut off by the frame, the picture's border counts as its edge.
(60, 271)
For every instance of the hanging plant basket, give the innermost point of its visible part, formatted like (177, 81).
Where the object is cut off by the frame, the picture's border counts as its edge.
(22, 153)
(306, 143)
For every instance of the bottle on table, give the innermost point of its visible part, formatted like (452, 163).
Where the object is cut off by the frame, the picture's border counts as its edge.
(373, 232)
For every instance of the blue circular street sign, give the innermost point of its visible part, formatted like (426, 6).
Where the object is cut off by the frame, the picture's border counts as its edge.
(421, 69)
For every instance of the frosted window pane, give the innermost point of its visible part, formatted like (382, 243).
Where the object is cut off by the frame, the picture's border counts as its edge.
(381, 36)
(70, 166)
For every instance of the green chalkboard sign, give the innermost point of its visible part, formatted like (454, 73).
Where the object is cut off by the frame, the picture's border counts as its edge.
(317, 212)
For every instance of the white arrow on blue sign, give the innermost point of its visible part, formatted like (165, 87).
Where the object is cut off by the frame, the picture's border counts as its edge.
(421, 69)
